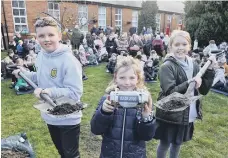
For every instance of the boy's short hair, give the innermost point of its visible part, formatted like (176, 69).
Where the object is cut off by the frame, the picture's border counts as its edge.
(47, 21)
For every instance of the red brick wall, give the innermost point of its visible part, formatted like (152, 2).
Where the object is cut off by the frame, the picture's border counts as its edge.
(174, 23)
(126, 17)
(34, 10)
(92, 12)
(108, 16)
(70, 16)
(9, 17)
(113, 17)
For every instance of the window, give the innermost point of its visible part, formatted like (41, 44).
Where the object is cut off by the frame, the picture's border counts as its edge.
(158, 22)
(118, 18)
(19, 16)
(83, 17)
(53, 9)
(102, 17)
(180, 19)
(169, 20)
(135, 18)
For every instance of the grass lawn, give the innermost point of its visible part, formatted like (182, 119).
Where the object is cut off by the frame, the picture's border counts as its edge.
(210, 138)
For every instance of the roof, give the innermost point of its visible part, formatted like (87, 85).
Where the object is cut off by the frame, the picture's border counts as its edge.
(167, 6)
(133, 3)
(171, 6)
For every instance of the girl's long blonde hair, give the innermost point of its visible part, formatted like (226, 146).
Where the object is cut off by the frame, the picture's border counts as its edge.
(128, 61)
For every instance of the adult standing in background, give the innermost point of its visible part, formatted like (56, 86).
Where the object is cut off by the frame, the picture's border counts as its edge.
(77, 37)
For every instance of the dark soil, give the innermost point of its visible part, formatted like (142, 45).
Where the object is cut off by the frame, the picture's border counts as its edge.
(14, 154)
(65, 109)
(172, 105)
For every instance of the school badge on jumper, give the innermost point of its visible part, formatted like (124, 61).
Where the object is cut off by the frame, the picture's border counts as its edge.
(54, 73)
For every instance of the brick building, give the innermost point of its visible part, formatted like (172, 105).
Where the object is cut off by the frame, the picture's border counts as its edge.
(170, 16)
(20, 15)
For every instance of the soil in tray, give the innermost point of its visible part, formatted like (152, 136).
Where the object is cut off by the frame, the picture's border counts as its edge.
(172, 104)
(65, 109)
(14, 154)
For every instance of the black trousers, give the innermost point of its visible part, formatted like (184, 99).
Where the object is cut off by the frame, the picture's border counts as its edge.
(66, 139)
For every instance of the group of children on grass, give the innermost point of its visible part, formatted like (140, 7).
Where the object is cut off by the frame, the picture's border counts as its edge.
(105, 47)
(139, 125)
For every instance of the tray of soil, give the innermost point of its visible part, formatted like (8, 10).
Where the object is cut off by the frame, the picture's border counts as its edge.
(7, 153)
(66, 108)
(174, 108)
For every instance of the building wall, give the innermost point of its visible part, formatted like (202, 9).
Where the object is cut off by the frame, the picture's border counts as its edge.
(164, 22)
(92, 12)
(110, 11)
(69, 12)
(9, 17)
(126, 17)
(108, 16)
(34, 8)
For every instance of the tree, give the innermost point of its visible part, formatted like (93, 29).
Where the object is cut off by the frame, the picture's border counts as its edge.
(147, 15)
(207, 20)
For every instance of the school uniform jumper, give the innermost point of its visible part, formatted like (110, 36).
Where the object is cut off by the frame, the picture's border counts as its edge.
(60, 72)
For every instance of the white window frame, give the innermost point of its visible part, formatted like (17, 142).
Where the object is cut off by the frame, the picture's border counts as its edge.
(158, 22)
(52, 11)
(118, 12)
(180, 20)
(20, 16)
(101, 13)
(169, 19)
(135, 18)
(83, 9)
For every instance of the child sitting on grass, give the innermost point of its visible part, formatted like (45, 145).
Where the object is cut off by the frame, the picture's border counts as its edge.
(220, 82)
(21, 84)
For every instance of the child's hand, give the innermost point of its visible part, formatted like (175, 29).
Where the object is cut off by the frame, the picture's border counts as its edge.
(111, 88)
(147, 108)
(37, 92)
(16, 72)
(107, 107)
(198, 81)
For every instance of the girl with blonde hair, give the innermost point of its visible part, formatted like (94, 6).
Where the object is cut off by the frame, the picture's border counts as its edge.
(175, 75)
(124, 130)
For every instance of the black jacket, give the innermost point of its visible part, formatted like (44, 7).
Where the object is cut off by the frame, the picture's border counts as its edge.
(173, 79)
(110, 126)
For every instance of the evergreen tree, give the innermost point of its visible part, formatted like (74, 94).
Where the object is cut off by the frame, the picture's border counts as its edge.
(207, 20)
(147, 15)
